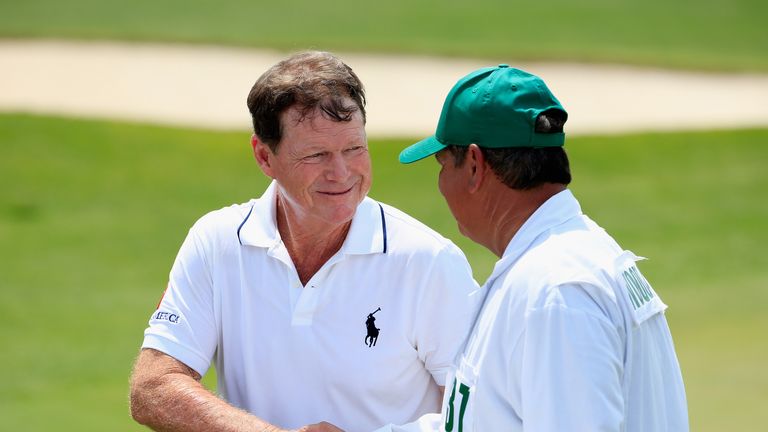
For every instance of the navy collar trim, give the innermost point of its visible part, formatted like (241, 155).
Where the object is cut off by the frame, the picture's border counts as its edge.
(243, 223)
(383, 228)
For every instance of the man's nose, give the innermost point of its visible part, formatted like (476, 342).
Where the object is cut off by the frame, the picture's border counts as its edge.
(338, 168)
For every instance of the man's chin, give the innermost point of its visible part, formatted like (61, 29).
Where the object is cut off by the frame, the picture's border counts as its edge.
(464, 232)
(339, 215)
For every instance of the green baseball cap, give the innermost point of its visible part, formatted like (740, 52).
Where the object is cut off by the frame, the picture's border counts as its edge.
(494, 107)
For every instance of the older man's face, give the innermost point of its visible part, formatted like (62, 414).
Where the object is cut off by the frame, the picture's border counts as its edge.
(452, 184)
(322, 168)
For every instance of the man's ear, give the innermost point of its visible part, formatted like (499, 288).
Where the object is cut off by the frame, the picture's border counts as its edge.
(478, 167)
(263, 154)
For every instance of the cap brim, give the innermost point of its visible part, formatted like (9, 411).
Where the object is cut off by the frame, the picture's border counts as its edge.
(420, 150)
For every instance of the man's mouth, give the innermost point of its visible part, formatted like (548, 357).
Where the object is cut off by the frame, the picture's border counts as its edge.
(336, 193)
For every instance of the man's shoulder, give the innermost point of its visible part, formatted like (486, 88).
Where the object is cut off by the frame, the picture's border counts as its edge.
(580, 244)
(223, 222)
(577, 254)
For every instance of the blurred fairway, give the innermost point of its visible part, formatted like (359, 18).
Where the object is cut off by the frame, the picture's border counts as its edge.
(698, 34)
(92, 214)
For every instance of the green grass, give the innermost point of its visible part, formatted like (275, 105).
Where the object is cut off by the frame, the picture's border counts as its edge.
(92, 213)
(699, 34)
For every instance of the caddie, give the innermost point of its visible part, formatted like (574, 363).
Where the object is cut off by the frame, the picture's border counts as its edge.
(315, 302)
(571, 336)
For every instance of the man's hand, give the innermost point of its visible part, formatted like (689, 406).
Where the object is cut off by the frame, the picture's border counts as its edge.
(319, 427)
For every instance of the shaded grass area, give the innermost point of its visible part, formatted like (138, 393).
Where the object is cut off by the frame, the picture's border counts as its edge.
(92, 214)
(703, 34)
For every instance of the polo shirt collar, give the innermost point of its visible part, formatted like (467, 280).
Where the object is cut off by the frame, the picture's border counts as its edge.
(258, 227)
(555, 211)
(366, 235)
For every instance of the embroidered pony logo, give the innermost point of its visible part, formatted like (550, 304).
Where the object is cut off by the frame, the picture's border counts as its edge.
(373, 332)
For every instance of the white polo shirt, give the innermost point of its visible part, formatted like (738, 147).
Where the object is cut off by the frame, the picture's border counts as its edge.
(293, 354)
(571, 337)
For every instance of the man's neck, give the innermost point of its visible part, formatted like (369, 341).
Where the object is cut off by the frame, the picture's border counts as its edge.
(509, 209)
(309, 247)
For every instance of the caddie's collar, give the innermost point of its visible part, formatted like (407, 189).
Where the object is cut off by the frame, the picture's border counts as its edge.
(556, 210)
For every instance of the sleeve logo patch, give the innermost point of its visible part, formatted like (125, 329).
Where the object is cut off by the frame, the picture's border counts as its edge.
(640, 300)
(171, 317)
(640, 291)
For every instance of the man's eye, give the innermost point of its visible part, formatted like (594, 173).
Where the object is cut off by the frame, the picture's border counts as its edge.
(314, 156)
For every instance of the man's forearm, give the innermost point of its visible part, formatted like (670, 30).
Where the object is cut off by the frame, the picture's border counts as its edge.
(176, 401)
(166, 395)
(179, 403)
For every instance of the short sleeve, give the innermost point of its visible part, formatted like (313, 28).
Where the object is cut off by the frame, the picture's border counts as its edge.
(447, 311)
(183, 326)
(572, 366)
